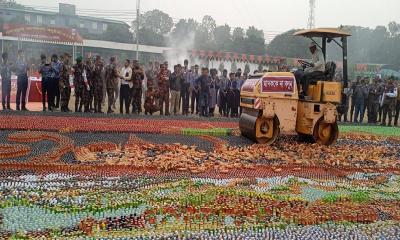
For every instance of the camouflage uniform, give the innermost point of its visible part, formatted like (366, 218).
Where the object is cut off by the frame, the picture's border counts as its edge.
(389, 103)
(374, 95)
(97, 86)
(88, 89)
(65, 88)
(150, 104)
(79, 86)
(136, 98)
(163, 89)
(111, 76)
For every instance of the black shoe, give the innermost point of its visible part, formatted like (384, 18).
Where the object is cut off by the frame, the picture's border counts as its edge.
(25, 109)
(18, 109)
(9, 108)
(110, 111)
(44, 109)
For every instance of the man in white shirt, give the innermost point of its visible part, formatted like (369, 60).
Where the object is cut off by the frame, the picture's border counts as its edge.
(126, 85)
(318, 60)
(315, 69)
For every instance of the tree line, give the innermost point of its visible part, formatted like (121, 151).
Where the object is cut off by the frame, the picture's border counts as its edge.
(158, 28)
(380, 45)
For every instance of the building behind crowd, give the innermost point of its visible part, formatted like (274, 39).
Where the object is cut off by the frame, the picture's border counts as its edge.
(100, 36)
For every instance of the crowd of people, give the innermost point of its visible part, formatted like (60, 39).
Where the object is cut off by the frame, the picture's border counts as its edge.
(379, 101)
(185, 90)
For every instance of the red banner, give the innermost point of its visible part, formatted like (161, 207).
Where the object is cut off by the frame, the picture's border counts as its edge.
(50, 34)
(278, 85)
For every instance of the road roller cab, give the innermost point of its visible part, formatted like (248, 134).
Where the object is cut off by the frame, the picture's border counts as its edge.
(271, 102)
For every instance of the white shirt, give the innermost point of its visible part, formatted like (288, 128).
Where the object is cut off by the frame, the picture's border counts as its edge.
(126, 76)
(319, 62)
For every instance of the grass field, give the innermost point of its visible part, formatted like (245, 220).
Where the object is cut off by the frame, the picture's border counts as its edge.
(375, 130)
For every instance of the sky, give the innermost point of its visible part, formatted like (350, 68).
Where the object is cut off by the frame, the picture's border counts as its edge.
(272, 16)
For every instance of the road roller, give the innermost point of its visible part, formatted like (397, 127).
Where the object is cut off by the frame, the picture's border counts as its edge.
(272, 105)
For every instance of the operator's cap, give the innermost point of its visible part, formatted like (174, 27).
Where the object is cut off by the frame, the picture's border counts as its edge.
(312, 44)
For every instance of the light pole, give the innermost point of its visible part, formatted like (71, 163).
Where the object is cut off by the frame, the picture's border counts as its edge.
(137, 28)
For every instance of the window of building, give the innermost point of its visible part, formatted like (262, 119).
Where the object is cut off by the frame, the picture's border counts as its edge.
(27, 17)
(52, 21)
(81, 25)
(94, 25)
(105, 27)
(39, 19)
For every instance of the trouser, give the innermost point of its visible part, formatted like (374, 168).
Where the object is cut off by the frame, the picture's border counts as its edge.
(124, 98)
(380, 113)
(116, 93)
(86, 99)
(365, 110)
(79, 101)
(57, 96)
(223, 108)
(136, 99)
(359, 108)
(53, 91)
(65, 97)
(229, 102)
(98, 97)
(45, 93)
(164, 98)
(396, 117)
(5, 93)
(237, 103)
(22, 86)
(175, 97)
(352, 109)
(91, 96)
(185, 95)
(110, 96)
(373, 108)
(387, 109)
(194, 101)
(204, 103)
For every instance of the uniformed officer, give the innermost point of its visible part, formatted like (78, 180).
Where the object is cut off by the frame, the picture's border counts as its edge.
(151, 104)
(79, 84)
(374, 95)
(54, 82)
(111, 76)
(65, 85)
(5, 82)
(389, 101)
(163, 89)
(137, 80)
(45, 71)
(88, 90)
(396, 118)
(22, 80)
(98, 84)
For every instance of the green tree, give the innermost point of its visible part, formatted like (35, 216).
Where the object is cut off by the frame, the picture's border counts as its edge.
(117, 33)
(183, 29)
(288, 45)
(255, 41)
(394, 28)
(153, 25)
(223, 38)
(12, 4)
(238, 40)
